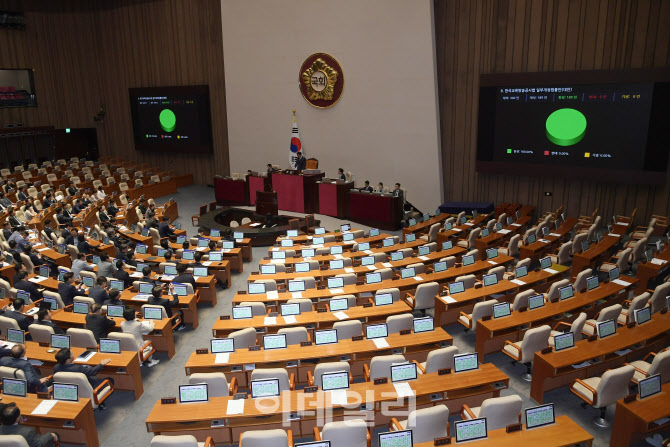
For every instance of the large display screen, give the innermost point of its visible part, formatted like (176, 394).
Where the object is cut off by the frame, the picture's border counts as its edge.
(171, 118)
(552, 123)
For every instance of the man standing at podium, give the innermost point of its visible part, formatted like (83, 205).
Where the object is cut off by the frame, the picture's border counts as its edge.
(301, 163)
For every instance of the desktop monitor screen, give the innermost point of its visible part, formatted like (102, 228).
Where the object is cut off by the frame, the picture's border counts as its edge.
(376, 331)
(287, 242)
(545, 231)
(203, 242)
(44, 271)
(325, 337)
(531, 238)
(539, 416)
(585, 246)
(348, 237)
(336, 304)
(335, 283)
(278, 255)
(161, 252)
(448, 226)
(152, 313)
(296, 286)
(440, 266)
(397, 256)
(96, 260)
(220, 345)
(336, 250)
(470, 429)
(188, 255)
(264, 388)
(318, 241)
(448, 245)
(80, 308)
(501, 310)
(485, 232)
(498, 226)
(510, 220)
(535, 302)
(383, 299)
(336, 264)
(320, 230)
(199, 272)
(465, 362)
(407, 273)
(53, 302)
(215, 256)
(404, 372)
(591, 282)
(242, 312)
(606, 328)
(25, 295)
(374, 232)
(181, 239)
(388, 242)
(490, 280)
(141, 249)
(193, 393)
(140, 266)
(145, 232)
(170, 270)
(274, 341)
(335, 381)
(650, 386)
(146, 287)
(614, 274)
(345, 227)
(61, 276)
(14, 387)
(214, 232)
(255, 288)
(66, 391)
(424, 250)
(367, 260)
(268, 269)
(492, 253)
(564, 341)
(456, 287)
(238, 235)
(468, 260)
(520, 272)
(373, 278)
(545, 263)
(401, 438)
(642, 315)
(60, 341)
(301, 267)
(290, 309)
(423, 324)
(114, 311)
(307, 252)
(291, 233)
(110, 346)
(88, 281)
(426, 217)
(410, 238)
(566, 292)
(116, 284)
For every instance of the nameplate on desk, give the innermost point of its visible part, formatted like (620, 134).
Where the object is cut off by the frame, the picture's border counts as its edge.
(443, 371)
(272, 314)
(523, 309)
(631, 325)
(629, 398)
(486, 318)
(202, 351)
(44, 344)
(255, 273)
(321, 309)
(511, 428)
(311, 389)
(442, 441)
(305, 343)
(224, 317)
(593, 337)
(357, 338)
(168, 400)
(367, 305)
(43, 395)
(254, 348)
(546, 350)
(381, 380)
(405, 332)
(242, 292)
(664, 310)
(238, 396)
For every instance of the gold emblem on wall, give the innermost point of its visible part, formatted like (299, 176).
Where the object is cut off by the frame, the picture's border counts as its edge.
(321, 80)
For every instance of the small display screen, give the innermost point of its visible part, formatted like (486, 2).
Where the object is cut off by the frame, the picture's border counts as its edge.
(614, 274)
(336, 250)
(220, 345)
(448, 226)
(650, 386)
(320, 230)
(336, 264)
(301, 267)
(410, 238)
(66, 391)
(407, 273)
(335, 283)
(275, 341)
(203, 242)
(465, 362)
(456, 287)
(60, 341)
(287, 242)
(490, 280)
(255, 288)
(383, 299)
(114, 311)
(199, 272)
(292, 233)
(468, 260)
(396, 439)
(170, 270)
(364, 246)
(268, 269)
(501, 310)
(88, 281)
(337, 304)
(376, 331)
(520, 272)
(14, 387)
(423, 324)
(335, 381)
(423, 250)
(564, 341)
(215, 256)
(373, 278)
(591, 283)
(242, 312)
(109, 346)
(296, 286)
(318, 241)
(188, 255)
(264, 388)
(367, 260)
(531, 238)
(397, 256)
(606, 328)
(566, 292)
(539, 416)
(325, 337)
(146, 287)
(374, 232)
(470, 430)
(290, 309)
(193, 393)
(403, 373)
(440, 266)
(545, 263)
(388, 242)
(152, 313)
(642, 315)
(80, 308)
(348, 237)
(278, 255)
(492, 253)
(535, 301)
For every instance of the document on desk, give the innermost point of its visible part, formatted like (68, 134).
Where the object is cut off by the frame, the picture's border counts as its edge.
(658, 261)
(418, 278)
(207, 263)
(43, 249)
(168, 277)
(369, 252)
(255, 224)
(270, 321)
(83, 358)
(448, 299)
(503, 231)
(493, 262)
(136, 275)
(290, 319)
(275, 249)
(552, 271)
(349, 270)
(272, 295)
(44, 407)
(340, 315)
(235, 407)
(468, 224)
(623, 351)
(613, 234)
(380, 343)
(518, 282)
(424, 258)
(403, 389)
(515, 225)
(621, 282)
(371, 267)
(544, 241)
(277, 261)
(339, 257)
(554, 234)
(222, 358)
(296, 294)
(140, 297)
(336, 291)
(387, 265)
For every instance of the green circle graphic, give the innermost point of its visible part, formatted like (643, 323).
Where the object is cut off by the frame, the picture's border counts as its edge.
(168, 120)
(566, 127)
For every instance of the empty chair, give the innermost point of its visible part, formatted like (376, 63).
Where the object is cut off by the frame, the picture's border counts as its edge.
(286, 382)
(577, 243)
(498, 411)
(628, 313)
(419, 267)
(217, 384)
(7, 323)
(84, 388)
(552, 294)
(580, 281)
(264, 438)
(479, 311)
(426, 424)
(424, 297)
(326, 367)
(622, 262)
(243, 338)
(348, 329)
(294, 335)
(521, 299)
(659, 365)
(599, 392)
(349, 433)
(380, 366)
(180, 441)
(450, 260)
(257, 309)
(608, 313)
(469, 281)
(658, 298)
(81, 338)
(348, 279)
(13, 441)
(40, 333)
(397, 323)
(576, 328)
(305, 304)
(534, 340)
(394, 291)
(460, 216)
(270, 284)
(432, 233)
(437, 359)
(469, 243)
(128, 342)
(386, 273)
(498, 271)
(562, 257)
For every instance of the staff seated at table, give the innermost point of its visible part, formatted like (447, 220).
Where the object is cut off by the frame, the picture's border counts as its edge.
(10, 416)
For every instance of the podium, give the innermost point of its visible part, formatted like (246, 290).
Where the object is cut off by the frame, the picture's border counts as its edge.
(266, 203)
(333, 197)
(296, 192)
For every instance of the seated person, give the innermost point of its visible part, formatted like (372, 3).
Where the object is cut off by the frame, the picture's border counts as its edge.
(380, 187)
(100, 195)
(72, 190)
(112, 210)
(67, 289)
(80, 264)
(105, 267)
(82, 245)
(146, 272)
(114, 298)
(397, 192)
(44, 319)
(11, 418)
(340, 174)
(30, 287)
(99, 291)
(122, 275)
(156, 299)
(102, 215)
(270, 169)
(98, 323)
(65, 359)
(164, 229)
(367, 187)
(184, 277)
(16, 313)
(137, 329)
(35, 258)
(33, 378)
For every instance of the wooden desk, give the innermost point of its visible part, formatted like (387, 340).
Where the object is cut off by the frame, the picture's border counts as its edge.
(491, 334)
(461, 231)
(649, 271)
(448, 308)
(333, 197)
(554, 370)
(565, 432)
(297, 192)
(599, 252)
(498, 238)
(303, 238)
(187, 304)
(423, 227)
(124, 368)
(345, 244)
(78, 415)
(539, 249)
(375, 210)
(413, 346)
(635, 420)
(454, 391)
(318, 320)
(228, 191)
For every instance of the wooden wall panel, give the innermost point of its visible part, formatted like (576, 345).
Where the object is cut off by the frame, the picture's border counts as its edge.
(507, 36)
(87, 54)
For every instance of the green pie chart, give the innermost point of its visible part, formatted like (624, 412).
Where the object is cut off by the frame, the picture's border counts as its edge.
(168, 120)
(566, 127)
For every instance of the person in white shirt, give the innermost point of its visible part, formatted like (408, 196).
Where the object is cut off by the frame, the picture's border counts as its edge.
(137, 329)
(101, 193)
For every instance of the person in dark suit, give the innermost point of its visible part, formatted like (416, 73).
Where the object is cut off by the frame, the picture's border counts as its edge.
(397, 192)
(340, 172)
(367, 187)
(44, 319)
(47, 228)
(183, 277)
(142, 206)
(103, 215)
(99, 291)
(62, 218)
(30, 287)
(65, 359)
(6, 230)
(48, 200)
(270, 169)
(98, 323)
(151, 221)
(67, 289)
(23, 194)
(4, 201)
(14, 252)
(82, 245)
(146, 271)
(197, 257)
(114, 298)
(122, 275)
(17, 313)
(301, 163)
(35, 381)
(156, 300)
(72, 190)
(164, 229)
(35, 258)
(78, 207)
(10, 417)
(112, 209)
(68, 215)
(12, 219)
